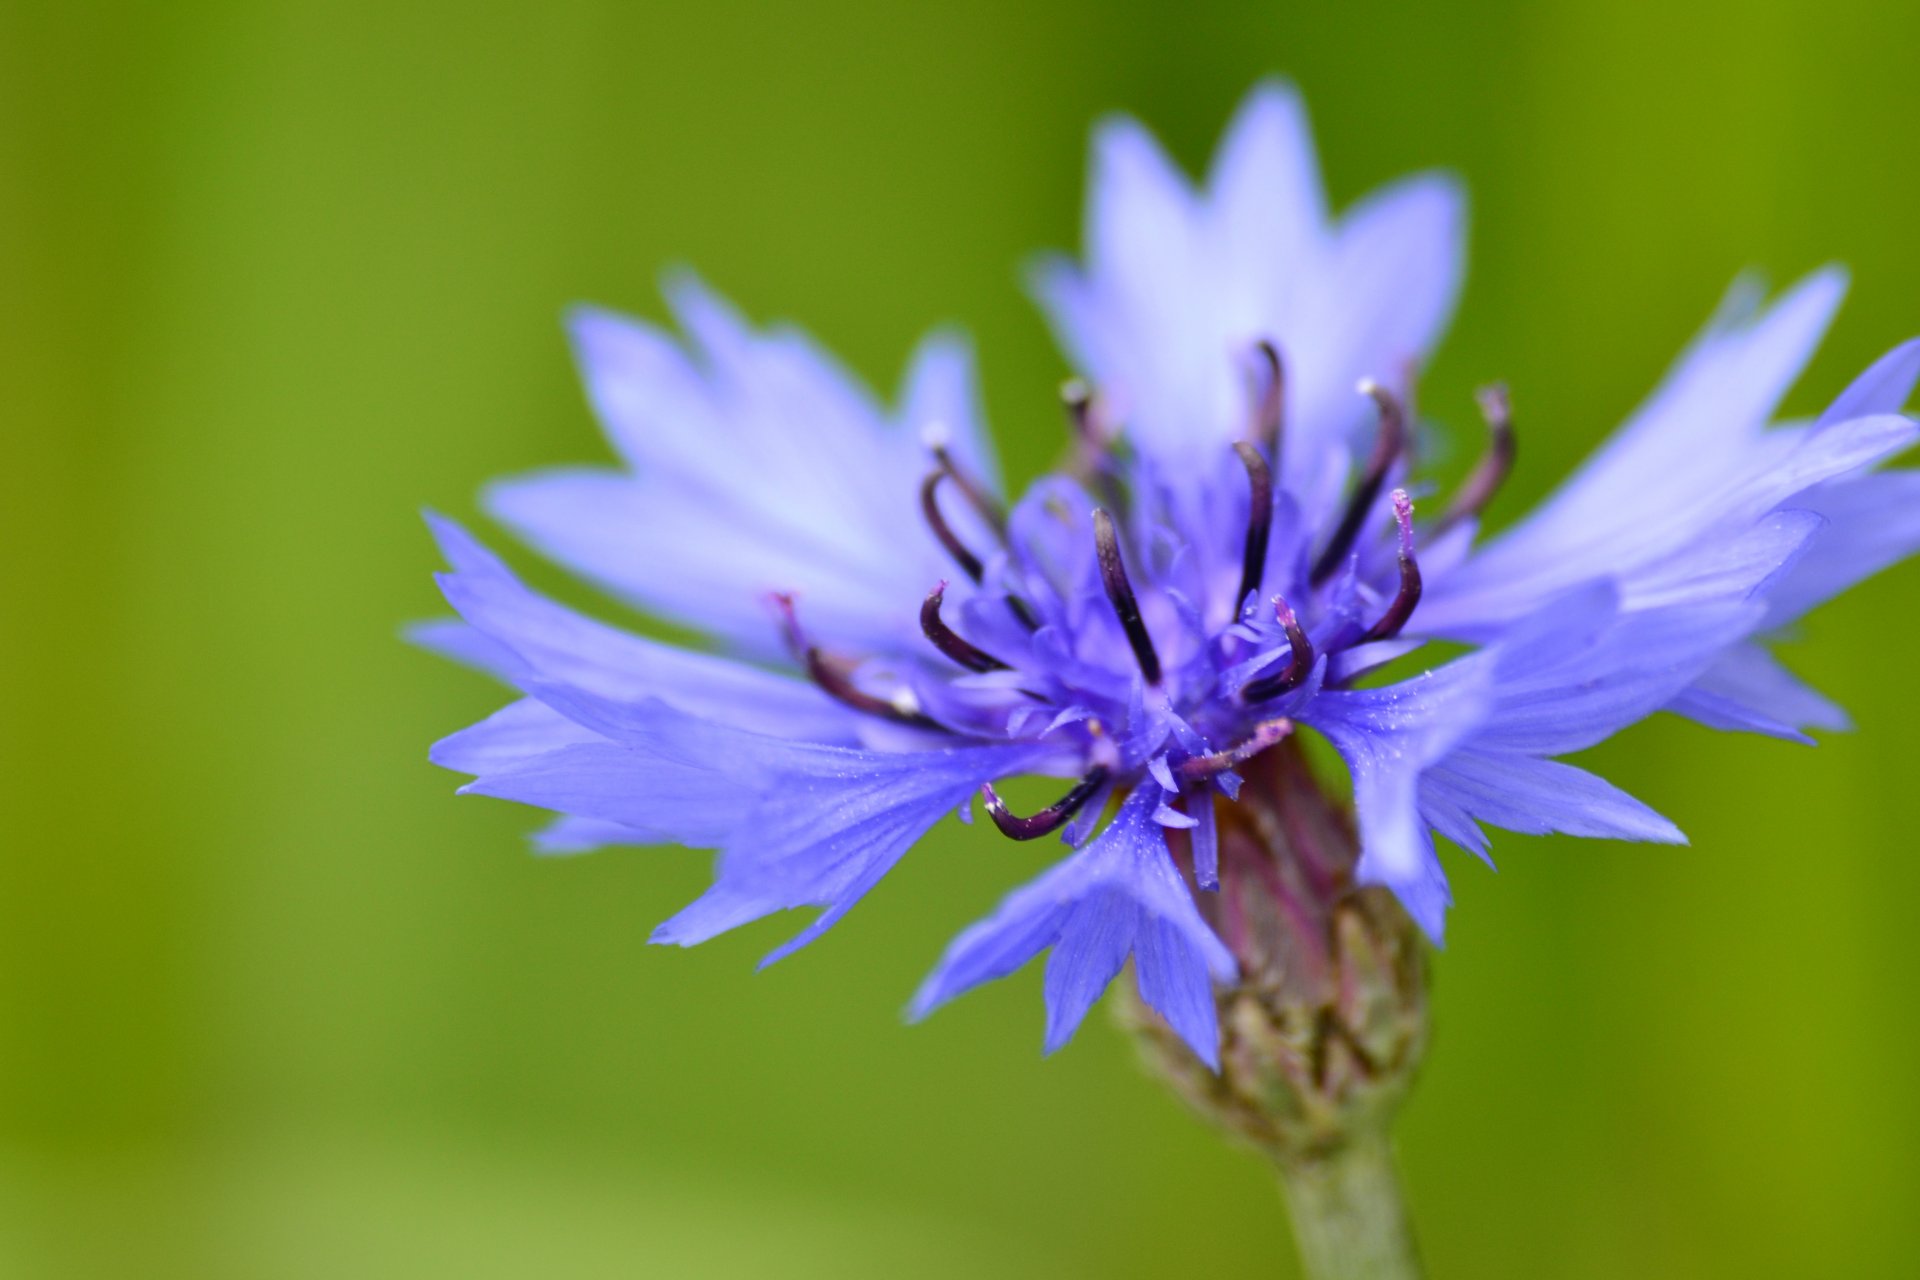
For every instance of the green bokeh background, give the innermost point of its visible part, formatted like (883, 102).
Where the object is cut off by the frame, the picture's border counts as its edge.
(273, 1003)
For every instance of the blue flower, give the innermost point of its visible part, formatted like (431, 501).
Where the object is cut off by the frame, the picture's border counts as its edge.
(1231, 551)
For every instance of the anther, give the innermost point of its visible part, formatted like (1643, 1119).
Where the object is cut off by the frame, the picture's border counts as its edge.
(1408, 596)
(1113, 576)
(1265, 734)
(832, 676)
(1270, 398)
(1387, 444)
(947, 641)
(1491, 471)
(1049, 819)
(1253, 558)
(1299, 660)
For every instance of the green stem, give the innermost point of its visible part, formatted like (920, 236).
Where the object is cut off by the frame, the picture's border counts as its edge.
(1348, 1218)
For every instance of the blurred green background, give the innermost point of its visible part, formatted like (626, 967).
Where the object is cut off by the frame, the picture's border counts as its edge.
(273, 1003)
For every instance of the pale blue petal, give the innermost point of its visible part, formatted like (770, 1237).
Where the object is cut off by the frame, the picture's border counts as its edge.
(567, 835)
(514, 735)
(455, 640)
(549, 642)
(757, 464)
(1692, 468)
(942, 388)
(1872, 523)
(1748, 691)
(1885, 387)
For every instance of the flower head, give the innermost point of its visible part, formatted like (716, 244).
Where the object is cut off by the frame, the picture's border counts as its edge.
(1233, 547)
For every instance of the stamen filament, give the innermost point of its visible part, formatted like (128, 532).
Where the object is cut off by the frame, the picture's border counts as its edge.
(1491, 471)
(1299, 660)
(1386, 447)
(1265, 734)
(1253, 558)
(1082, 412)
(1270, 408)
(976, 495)
(1408, 596)
(833, 678)
(970, 564)
(949, 642)
(1113, 576)
(1049, 819)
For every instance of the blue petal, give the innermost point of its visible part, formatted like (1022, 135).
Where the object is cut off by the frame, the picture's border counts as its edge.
(1266, 200)
(1872, 522)
(662, 801)
(1692, 470)
(1884, 388)
(820, 826)
(1179, 284)
(757, 464)
(1467, 743)
(1534, 797)
(455, 640)
(1120, 895)
(1748, 691)
(511, 736)
(1387, 737)
(532, 639)
(568, 835)
(942, 389)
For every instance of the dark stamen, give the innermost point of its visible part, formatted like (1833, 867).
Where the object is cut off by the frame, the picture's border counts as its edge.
(1386, 447)
(1113, 576)
(1270, 407)
(1409, 594)
(1049, 819)
(1083, 412)
(835, 681)
(950, 643)
(970, 564)
(1253, 559)
(1491, 471)
(1094, 439)
(1299, 660)
(930, 507)
(976, 495)
(1264, 735)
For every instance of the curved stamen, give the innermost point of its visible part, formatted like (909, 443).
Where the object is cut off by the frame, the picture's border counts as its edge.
(1270, 409)
(1094, 440)
(1049, 819)
(836, 682)
(970, 564)
(963, 556)
(1387, 444)
(1299, 660)
(947, 641)
(1083, 412)
(1253, 558)
(1491, 471)
(935, 438)
(1265, 734)
(1113, 576)
(1409, 594)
